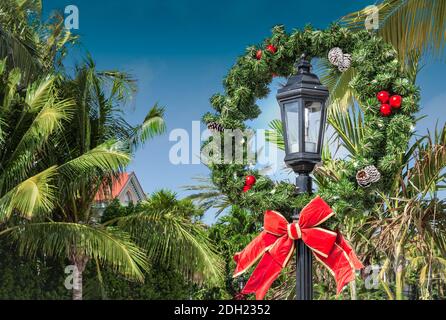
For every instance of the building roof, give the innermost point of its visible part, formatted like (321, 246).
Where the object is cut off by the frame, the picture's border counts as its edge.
(119, 185)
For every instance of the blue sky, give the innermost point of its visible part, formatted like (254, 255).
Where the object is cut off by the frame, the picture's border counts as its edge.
(179, 51)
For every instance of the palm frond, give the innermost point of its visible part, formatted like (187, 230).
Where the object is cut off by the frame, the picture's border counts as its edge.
(46, 123)
(153, 125)
(206, 195)
(28, 43)
(21, 54)
(275, 135)
(428, 172)
(39, 92)
(176, 241)
(108, 157)
(338, 84)
(410, 26)
(32, 196)
(348, 128)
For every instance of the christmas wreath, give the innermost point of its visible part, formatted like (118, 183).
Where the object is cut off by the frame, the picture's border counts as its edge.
(386, 97)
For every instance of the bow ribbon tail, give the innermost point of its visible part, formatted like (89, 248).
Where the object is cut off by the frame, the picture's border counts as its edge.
(342, 262)
(263, 277)
(269, 268)
(253, 252)
(344, 245)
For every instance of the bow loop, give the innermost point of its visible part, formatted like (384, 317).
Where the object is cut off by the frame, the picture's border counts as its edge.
(319, 240)
(315, 213)
(275, 223)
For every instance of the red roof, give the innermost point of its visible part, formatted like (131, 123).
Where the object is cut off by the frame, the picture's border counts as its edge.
(118, 184)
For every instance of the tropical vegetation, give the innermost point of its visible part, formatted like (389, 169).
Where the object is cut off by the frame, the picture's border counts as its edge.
(64, 139)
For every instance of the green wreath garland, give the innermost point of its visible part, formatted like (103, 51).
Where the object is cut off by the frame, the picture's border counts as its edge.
(385, 139)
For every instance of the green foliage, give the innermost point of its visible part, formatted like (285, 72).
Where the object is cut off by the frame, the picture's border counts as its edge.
(28, 122)
(232, 233)
(23, 278)
(109, 246)
(171, 255)
(160, 283)
(57, 154)
(206, 195)
(275, 134)
(412, 27)
(116, 210)
(62, 137)
(171, 233)
(28, 43)
(164, 279)
(29, 279)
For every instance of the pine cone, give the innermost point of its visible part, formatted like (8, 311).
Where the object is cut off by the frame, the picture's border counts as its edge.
(345, 63)
(335, 56)
(363, 179)
(214, 126)
(367, 176)
(374, 174)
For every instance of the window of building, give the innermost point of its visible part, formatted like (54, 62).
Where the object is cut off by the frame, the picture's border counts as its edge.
(129, 197)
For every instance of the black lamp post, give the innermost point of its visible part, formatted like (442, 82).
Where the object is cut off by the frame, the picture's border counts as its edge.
(303, 107)
(241, 283)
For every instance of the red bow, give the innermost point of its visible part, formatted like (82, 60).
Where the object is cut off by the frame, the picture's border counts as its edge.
(275, 246)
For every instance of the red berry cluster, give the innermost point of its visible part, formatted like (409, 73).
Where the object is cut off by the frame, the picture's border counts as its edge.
(271, 48)
(249, 183)
(388, 102)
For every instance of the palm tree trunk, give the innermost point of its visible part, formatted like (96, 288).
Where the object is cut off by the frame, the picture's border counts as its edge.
(399, 282)
(383, 280)
(77, 289)
(80, 261)
(399, 269)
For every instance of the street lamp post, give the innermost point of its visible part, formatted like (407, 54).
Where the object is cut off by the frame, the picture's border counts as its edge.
(303, 107)
(241, 283)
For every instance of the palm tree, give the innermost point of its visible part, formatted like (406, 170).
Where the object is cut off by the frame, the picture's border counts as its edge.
(97, 145)
(411, 224)
(42, 175)
(28, 43)
(60, 152)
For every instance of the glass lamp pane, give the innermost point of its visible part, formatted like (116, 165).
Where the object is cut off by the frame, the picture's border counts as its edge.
(313, 113)
(292, 125)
